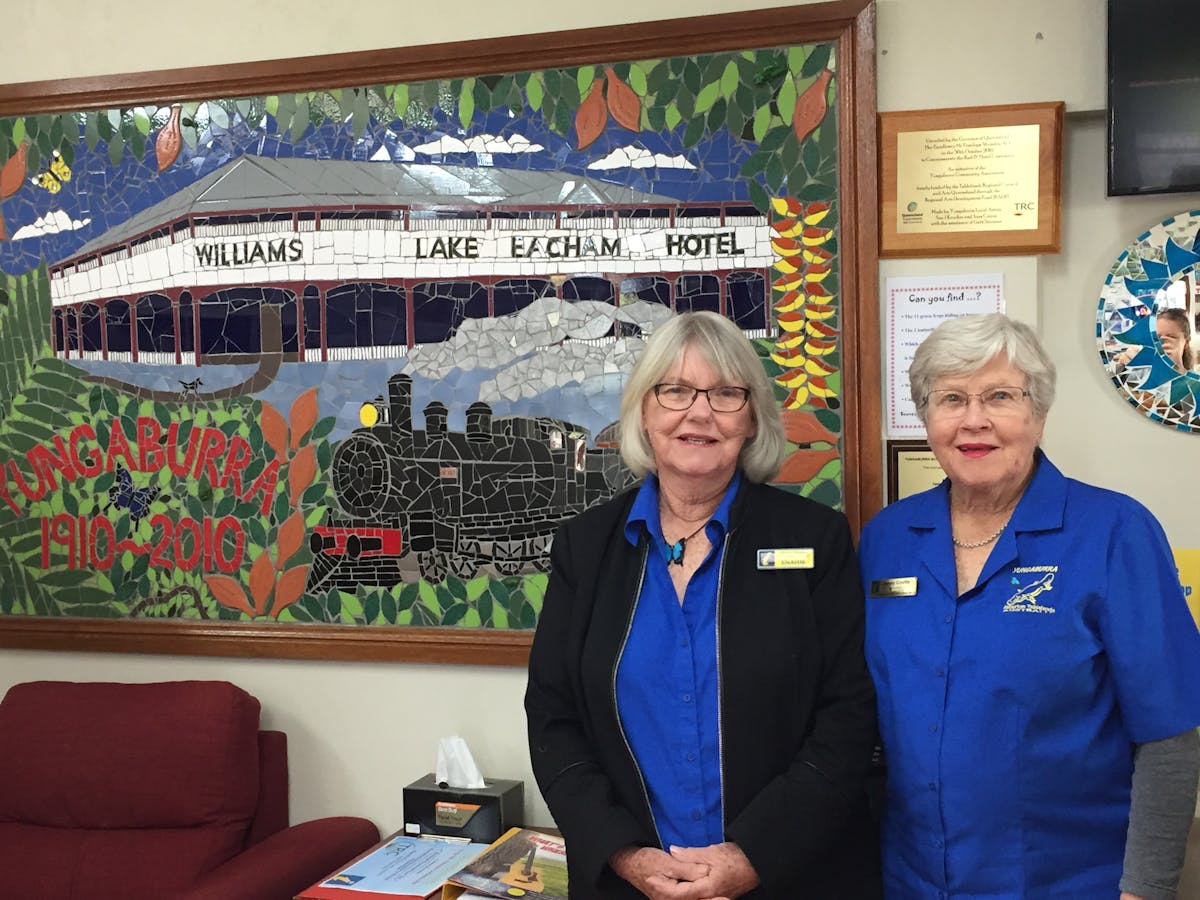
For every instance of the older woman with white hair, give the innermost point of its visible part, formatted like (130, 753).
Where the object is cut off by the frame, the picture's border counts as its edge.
(701, 720)
(1035, 660)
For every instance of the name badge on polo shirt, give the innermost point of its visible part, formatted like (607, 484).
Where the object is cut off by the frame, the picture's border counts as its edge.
(786, 558)
(894, 587)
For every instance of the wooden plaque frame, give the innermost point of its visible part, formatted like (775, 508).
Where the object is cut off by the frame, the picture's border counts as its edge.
(1045, 239)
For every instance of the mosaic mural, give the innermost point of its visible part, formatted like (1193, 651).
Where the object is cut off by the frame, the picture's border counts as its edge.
(350, 356)
(1145, 323)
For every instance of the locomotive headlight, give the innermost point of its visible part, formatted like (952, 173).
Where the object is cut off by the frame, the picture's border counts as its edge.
(368, 414)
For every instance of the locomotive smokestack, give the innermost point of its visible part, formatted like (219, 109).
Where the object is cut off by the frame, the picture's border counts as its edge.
(400, 405)
(479, 422)
(435, 419)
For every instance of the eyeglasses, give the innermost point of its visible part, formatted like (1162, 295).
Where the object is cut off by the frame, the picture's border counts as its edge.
(678, 397)
(998, 401)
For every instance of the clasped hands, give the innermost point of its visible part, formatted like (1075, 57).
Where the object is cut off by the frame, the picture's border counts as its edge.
(715, 872)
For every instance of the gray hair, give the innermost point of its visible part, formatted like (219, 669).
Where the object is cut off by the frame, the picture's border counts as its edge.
(731, 356)
(966, 344)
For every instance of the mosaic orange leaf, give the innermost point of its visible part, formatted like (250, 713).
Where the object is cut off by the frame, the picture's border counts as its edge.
(228, 593)
(803, 465)
(274, 429)
(262, 580)
(303, 415)
(291, 536)
(290, 588)
(802, 427)
(301, 472)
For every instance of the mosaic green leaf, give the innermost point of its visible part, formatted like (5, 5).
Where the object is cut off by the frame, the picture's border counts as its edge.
(387, 608)
(466, 102)
(818, 60)
(693, 132)
(67, 578)
(31, 543)
(400, 100)
(485, 609)
(796, 57)
(754, 164)
(811, 155)
(730, 78)
(787, 99)
(735, 119)
(584, 78)
(716, 116)
(774, 139)
(562, 118)
(456, 588)
(299, 123)
(637, 79)
(758, 196)
(428, 596)
(815, 190)
(707, 96)
(534, 91)
(774, 175)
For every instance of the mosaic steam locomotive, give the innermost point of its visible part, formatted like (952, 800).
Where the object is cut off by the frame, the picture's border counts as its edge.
(492, 494)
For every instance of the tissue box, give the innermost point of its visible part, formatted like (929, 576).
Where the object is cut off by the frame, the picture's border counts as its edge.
(480, 814)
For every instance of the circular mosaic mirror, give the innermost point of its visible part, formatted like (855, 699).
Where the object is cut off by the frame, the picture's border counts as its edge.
(1146, 323)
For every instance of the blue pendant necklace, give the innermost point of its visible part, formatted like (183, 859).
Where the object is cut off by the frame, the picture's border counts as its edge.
(675, 550)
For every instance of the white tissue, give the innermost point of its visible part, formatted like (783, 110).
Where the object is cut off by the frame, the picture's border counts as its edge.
(455, 765)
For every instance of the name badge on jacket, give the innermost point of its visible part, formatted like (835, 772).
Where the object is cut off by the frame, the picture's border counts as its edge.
(894, 587)
(786, 558)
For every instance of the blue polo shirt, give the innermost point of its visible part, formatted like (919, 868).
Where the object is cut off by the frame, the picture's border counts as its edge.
(1009, 714)
(668, 681)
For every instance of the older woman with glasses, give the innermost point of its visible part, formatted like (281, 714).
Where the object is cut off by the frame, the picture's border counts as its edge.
(1035, 661)
(701, 720)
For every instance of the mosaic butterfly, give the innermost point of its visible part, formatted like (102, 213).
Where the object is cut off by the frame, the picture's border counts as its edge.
(124, 495)
(54, 177)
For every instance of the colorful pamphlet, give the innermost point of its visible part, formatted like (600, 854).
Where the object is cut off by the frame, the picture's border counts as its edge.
(405, 867)
(521, 863)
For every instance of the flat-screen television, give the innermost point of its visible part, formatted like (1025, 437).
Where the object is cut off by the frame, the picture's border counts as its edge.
(1153, 96)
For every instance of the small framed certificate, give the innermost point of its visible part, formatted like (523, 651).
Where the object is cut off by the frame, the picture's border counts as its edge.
(971, 181)
(912, 468)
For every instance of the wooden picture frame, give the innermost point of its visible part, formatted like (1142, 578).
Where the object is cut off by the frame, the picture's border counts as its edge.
(952, 180)
(849, 24)
(911, 468)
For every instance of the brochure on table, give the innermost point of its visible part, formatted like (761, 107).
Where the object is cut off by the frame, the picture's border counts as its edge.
(402, 867)
(521, 863)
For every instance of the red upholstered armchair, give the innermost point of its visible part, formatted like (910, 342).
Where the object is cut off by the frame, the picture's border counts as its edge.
(153, 792)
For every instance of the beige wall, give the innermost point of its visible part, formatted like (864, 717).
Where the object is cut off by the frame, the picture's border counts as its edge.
(359, 731)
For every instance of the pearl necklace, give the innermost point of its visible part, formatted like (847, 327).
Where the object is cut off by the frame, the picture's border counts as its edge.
(974, 545)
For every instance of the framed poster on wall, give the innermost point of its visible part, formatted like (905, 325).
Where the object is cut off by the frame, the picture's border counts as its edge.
(309, 358)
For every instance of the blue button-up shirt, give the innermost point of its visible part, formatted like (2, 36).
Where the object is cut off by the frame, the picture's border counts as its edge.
(668, 681)
(1009, 713)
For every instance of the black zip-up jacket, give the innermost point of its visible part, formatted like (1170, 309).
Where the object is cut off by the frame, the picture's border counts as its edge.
(797, 705)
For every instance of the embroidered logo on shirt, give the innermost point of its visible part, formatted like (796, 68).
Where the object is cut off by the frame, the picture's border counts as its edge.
(1031, 589)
